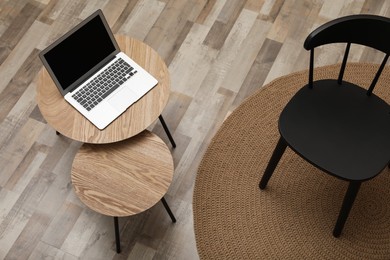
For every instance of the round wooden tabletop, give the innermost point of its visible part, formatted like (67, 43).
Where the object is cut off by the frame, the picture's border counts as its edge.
(69, 122)
(123, 178)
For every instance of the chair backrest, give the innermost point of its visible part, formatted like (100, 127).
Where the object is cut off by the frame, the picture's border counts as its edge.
(368, 30)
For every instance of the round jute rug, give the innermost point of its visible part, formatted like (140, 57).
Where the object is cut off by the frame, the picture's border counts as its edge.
(293, 218)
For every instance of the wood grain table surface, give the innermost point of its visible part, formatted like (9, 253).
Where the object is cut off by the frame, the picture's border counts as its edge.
(69, 122)
(123, 178)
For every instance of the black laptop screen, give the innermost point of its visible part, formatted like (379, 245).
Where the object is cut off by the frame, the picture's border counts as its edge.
(80, 52)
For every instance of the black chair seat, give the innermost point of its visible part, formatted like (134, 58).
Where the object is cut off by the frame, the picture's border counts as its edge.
(339, 129)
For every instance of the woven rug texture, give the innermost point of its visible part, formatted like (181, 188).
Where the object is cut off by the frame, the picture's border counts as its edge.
(293, 218)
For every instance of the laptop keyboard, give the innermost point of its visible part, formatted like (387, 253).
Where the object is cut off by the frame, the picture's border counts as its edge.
(104, 84)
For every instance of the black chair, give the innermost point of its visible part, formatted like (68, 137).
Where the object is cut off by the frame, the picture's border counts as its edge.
(339, 127)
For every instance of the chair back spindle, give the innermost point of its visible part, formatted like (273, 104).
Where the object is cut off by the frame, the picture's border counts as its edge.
(342, 69)
(377, 75)
(311, 69)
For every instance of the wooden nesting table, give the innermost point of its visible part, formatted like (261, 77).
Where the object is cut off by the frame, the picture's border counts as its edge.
(123, 178)
(69, 122)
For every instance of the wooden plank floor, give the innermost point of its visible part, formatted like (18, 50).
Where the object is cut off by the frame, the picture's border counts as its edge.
(218, 53)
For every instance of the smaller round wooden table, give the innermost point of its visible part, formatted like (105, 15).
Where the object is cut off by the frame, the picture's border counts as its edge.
(123, 178)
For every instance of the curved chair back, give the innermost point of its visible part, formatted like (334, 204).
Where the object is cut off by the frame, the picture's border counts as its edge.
(368, 30)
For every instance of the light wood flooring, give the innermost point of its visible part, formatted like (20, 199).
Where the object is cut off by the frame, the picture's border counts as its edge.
(218, 53)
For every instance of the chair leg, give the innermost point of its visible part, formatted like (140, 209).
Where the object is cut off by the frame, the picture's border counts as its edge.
(164, 202)
(167, 131)
(349, 198)
(117, 237)
(276, 155)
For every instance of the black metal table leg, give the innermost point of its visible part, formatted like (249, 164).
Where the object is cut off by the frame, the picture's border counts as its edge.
(117, 237)
(167, 131)
(168, 209)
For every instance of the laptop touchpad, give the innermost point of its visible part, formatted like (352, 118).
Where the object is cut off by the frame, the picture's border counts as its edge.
(122, 99)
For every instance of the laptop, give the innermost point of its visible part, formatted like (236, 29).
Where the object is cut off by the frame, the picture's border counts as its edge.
(92, 74)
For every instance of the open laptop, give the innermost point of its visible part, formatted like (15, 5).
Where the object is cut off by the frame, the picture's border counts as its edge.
(92, 74)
